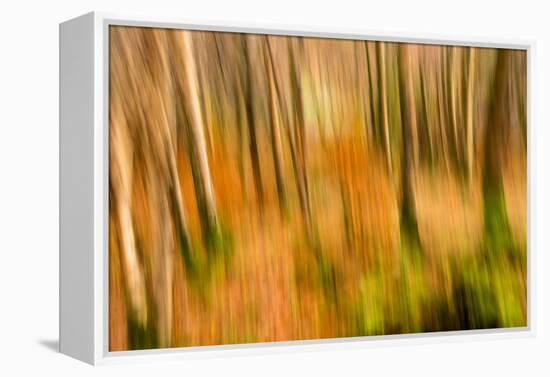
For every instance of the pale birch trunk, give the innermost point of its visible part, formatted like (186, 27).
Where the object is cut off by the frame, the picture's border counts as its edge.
(381, 53)
(191, 96)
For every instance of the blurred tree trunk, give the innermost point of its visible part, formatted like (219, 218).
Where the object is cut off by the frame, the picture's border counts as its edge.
(499, 112)
(250, 120)
(121, 173)
(470, 115)
(287, 128)
(423, 94)
(298, 139)
(199, 156)
(121, 180)
(276, 146)
(442, 107)
(361, 87)
(409, 124)
(455, 78)
(370, 51)
(383, 102)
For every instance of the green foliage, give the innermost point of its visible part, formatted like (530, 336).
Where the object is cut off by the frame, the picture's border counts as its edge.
(498, 237)
(205, 261)
(139, 336)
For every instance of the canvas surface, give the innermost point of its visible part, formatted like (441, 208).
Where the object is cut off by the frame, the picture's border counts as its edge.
(274, 188)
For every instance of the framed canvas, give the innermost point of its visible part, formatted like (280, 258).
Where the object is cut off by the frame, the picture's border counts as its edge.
(248, 188)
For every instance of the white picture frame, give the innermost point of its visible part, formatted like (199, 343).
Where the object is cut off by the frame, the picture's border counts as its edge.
(84, 191)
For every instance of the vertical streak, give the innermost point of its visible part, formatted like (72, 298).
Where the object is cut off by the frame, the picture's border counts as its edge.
(275, 128)
(197, 125)
(253, 142)
(299, 139)
(470, 114)
(384, 101)
(454, 77)
(442, 109)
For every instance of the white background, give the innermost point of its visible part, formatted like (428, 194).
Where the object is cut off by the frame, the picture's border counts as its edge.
(29, 184)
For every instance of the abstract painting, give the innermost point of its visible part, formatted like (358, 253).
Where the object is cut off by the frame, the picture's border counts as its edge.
(269, 188)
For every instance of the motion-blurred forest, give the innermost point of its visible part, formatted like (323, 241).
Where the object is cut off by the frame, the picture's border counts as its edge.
(272, 188)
